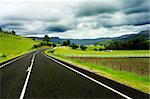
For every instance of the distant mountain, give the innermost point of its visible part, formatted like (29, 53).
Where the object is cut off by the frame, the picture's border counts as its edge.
(79, 41)
(144, 34)
(75, 41)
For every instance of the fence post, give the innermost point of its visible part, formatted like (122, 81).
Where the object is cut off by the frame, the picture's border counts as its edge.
(142, 71)
(120, 67)
(130, 68)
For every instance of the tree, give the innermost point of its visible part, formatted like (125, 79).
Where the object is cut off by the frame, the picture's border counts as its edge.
(138, 43)
(74, 46)
(1, 29)
(66, 43)
(54, 45)
(13, 33)
(95, 49)
(83, 47)
(46, 38)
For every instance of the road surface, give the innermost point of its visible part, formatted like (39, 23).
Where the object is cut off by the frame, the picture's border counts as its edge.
(37, 76)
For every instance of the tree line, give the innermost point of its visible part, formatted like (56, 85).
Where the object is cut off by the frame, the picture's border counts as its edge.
(135, 44)
(73, 46)
(12, 32)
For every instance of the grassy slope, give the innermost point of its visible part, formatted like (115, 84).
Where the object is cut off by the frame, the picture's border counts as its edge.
(127, 78)
(13, 46)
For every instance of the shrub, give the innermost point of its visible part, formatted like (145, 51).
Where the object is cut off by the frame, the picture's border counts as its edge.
(54, 45)
(82, 47)
(74, 46)
(51, 51)
(3, 55)
(66, 43)
(35, 46)
(95, 49)
(101, 49)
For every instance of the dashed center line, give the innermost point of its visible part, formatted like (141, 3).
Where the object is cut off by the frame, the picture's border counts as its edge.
(28, 76)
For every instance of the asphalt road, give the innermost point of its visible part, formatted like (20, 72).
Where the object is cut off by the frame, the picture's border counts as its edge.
(50, 79)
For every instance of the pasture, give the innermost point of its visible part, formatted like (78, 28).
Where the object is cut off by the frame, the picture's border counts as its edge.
(12, 46)
(90, 52)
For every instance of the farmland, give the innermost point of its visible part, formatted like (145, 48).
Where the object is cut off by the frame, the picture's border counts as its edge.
(67, 51)
(118, 65)
(12, 46)
(139, 66)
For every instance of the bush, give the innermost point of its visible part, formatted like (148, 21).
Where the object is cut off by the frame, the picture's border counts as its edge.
(74, 46)
(51, 51)
(66, 43)
(95, 49)
(100, 49)
(3, 55)
(82, 47)
(54, 45)
(49, 44)
(35, 46)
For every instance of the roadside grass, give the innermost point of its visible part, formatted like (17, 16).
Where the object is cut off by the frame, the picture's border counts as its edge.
(12, 46)
(127, 78)
(69, 52)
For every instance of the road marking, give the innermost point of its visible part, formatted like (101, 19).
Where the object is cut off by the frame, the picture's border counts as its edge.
(123, 95)
(14, 60)
(28, 76)
(11, 61)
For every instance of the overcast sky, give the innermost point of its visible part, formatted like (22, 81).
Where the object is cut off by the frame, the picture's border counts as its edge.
(75, 18)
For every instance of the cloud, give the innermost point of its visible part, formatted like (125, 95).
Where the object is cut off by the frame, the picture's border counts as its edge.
(10, 25)
(97, 7)
(75, 19)
(58, 28)
(136, 6)
(97, 33)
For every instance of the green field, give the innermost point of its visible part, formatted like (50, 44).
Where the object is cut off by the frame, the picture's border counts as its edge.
(67, 51)
(128, 78)
(12, 46)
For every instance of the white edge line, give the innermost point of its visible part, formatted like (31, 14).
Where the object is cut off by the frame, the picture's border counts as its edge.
(14, 60)
(123, 95)
(27, 78)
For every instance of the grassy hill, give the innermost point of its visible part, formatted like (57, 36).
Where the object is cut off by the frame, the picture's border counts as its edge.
(12, 46)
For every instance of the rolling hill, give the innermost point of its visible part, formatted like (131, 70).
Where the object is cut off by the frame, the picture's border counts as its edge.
(12, 46)
(144, 34)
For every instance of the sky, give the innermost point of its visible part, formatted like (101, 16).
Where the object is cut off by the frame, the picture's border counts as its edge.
(76, 19)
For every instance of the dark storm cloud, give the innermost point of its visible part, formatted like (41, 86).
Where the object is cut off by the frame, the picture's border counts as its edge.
(58, 28)
(137, 10)
(33, 18)
(115, 12)
(12, 26)
(127, 6)
(95, 8)
(136, 6)
(138, 19)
